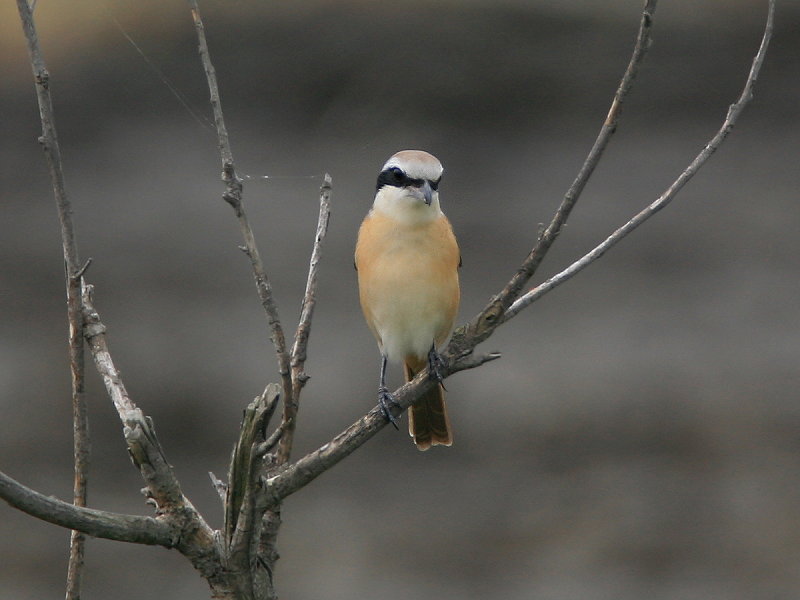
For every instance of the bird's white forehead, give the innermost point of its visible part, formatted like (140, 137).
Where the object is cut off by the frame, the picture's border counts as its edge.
(417, 164)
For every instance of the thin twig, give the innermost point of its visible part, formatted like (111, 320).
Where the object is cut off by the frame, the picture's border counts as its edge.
(267, 445)
(310, 296)
(74, 278)
(482, 326)
(49, 139)
(464, 339)
(299, 348)
(734, 112)
(220, 486)
(233, 196)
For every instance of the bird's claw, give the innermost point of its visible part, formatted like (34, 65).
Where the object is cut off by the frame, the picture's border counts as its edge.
(385, 400)
(435, 364)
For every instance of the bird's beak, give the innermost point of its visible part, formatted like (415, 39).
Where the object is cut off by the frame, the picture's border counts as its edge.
(427, 192)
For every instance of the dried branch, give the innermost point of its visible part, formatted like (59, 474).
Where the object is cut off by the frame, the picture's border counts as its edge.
(245, 502)
(97, 523)
(315, 463)
(190, 533)
(310, 296)
(252, 522)
(239, 562)
(146, 452)
(734, 111)
(196, 539)
(73, 275)
(233, 196)
(491, 316)
(49, 138)
(299, 349)
(459, 354)
(245, 460)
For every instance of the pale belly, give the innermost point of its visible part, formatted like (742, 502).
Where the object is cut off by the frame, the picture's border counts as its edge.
(413, 302)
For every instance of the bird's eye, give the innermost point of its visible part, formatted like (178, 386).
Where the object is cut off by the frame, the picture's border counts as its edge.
(435, 184)
(396, 175)
(393, 176)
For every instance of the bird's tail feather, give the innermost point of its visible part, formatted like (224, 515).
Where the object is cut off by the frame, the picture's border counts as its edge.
(428, 422)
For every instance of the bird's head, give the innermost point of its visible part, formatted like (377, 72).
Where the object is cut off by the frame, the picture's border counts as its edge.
(408, 184)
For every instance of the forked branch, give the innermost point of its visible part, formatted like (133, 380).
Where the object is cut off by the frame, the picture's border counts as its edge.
(460, 352)
(233, 196)
(187, 530)
(196, 539)
(238, 561)
(290, 364)
(491, 316)
(734, 112)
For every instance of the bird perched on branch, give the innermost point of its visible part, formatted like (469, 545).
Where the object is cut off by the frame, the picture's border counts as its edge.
(407, 260)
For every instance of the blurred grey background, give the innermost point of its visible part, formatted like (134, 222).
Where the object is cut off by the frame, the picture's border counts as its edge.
(640, 437)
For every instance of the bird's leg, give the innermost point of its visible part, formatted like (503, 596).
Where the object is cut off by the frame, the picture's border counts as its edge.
(435, 363)
(384, 397)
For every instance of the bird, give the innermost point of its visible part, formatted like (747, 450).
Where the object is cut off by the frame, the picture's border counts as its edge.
(407, 261)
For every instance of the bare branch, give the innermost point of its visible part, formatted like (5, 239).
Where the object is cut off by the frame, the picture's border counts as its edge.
(300, 346)
(459, 355)
(195, 539)
(472, 361)
(490, 317)
(220, 486)
(233, 196)
(74, 274)
(97, 523)
(250, 528)
(268, 553)
(314, 464)
(95, 335)
(241, 518)
(310, 296)
(49, 138)
(163, 489)
(734, 112)
(267, 445)
(465, 338)
(246, 462)
(145, 450)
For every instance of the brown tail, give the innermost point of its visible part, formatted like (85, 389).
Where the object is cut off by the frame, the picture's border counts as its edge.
(428, 422)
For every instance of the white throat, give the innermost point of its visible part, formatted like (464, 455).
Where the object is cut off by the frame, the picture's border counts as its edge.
(399, 204)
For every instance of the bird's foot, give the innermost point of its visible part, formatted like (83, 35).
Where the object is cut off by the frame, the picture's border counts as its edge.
(385, 400)
(435, 365)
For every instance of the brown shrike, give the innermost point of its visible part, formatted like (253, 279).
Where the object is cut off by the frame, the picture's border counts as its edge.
(407, 260)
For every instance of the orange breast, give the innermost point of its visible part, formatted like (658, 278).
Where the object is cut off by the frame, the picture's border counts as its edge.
(408, 282)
